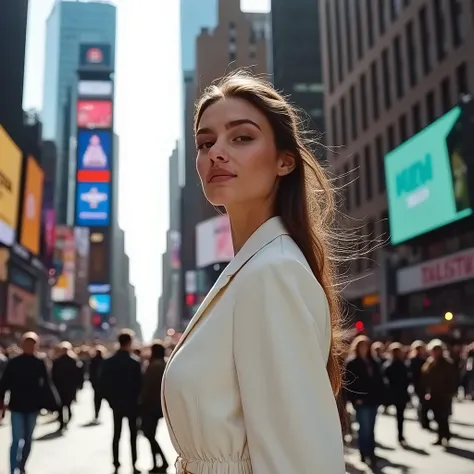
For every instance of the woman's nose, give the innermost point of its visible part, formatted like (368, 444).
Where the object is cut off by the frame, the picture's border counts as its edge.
(217, 153)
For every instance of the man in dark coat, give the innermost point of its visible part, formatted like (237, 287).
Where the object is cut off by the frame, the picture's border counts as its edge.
(120, 385)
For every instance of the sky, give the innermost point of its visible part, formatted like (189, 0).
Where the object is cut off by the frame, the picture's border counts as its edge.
(147, 121)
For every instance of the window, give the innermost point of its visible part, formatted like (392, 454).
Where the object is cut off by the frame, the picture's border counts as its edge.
(379, 156)
(416, 117)
(353, 107)
(346, 188)
(411, 54)
(343, 121)
(395, 8)
(338, 41)
(391, 138)
(461, 79)
(357, 187)
(347, 14)
(370, 22)
(368, 172)
(335, 137)
(445, 95)
(403, 128)
(398, 66)
(370, 231)
(232, 56)
(386, 79)
(359, 32)
(440, 29)
(329, 42)
(430, 107)
(455, 10)
(425, 40)
(382, 16)
(363, 101)
(385, 226)
(375, 90)
(253, 36)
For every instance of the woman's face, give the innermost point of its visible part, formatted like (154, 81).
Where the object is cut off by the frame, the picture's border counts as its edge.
(237, 160)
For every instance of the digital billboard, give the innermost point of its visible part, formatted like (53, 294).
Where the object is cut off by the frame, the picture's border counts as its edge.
(65, 256)
(92, 204)
(32, 205)
(427, 179)
(214, 241)
(11, 159)
(95, 56)
(94, 114)
(102, 89)
(93, 156)
(100, 303)
(99, 261)
(21, 306)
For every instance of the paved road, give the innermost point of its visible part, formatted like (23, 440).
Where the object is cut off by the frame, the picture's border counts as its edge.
(86, 449)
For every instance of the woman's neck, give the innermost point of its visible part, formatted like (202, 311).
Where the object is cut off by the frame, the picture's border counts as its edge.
(244, 224)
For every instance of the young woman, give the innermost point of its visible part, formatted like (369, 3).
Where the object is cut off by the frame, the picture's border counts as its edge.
(251, 386)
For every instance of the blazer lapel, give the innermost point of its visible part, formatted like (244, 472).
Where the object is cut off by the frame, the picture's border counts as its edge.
(266, 233)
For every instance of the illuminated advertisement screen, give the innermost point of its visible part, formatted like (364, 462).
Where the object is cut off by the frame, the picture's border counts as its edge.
(32, 206)
(95, 89)
(93, 156)
(99, 261)
(95, 56)
(427, 179)
(21, 306)
(92, 204)
(100, 303)
(11, 159)
(94, 114)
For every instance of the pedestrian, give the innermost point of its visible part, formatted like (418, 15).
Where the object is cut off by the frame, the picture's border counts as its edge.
(151, 410)
(417, 359)
(67, 377)
(121, 385)
(27, 380)
(95, 370)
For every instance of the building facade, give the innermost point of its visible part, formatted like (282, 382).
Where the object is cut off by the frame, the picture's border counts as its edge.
(390, 70)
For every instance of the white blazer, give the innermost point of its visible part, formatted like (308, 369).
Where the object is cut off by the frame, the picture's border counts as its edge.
(246, 389)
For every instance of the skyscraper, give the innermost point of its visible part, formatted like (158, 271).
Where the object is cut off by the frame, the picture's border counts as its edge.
(69, 25)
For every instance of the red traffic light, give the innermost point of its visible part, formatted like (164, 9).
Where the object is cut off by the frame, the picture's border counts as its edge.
(359, 325)
(96, 320)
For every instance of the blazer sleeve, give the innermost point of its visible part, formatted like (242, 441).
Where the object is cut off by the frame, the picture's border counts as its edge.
(281, 340)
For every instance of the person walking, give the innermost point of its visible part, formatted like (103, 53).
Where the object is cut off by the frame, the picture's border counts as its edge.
(151, 410)
(95, 369)
(27, 380)
(121, 385)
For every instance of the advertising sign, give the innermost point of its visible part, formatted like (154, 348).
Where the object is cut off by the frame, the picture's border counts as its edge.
(95, 56)
(175, 244)
(100, 303)
(93, 156)
(102, 89)
(427, 180)
(10, 175)
(65, 252)
(93, 204)
(49, 228)
(94, 113)
(438, 272)
(213, 241)
(4, 258)
(21, 306)
(65, 314)
(31, 219)
(81, 239)
(99, 260)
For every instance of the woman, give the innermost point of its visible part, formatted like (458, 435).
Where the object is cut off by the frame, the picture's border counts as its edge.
(151, 404)
(250, 387)
(365, 390)
(95, 369)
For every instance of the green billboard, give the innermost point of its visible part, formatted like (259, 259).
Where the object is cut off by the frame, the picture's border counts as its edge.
(427, 180)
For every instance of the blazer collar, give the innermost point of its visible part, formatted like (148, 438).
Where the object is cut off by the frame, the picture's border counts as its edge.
(266, 233)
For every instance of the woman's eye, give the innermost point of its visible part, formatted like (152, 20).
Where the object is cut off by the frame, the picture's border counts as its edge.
(243, 138)
(205, 145)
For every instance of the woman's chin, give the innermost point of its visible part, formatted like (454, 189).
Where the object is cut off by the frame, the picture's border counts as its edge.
(219, 198)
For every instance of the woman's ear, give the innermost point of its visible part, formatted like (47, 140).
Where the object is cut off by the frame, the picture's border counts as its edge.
(286, 163)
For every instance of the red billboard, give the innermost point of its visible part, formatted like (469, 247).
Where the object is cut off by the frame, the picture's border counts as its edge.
(94, 114)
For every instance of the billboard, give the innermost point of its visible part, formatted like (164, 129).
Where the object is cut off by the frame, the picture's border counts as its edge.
(428, 179)
(49, 232)
(32, 205)
(102, 89)
(213, 241)
(93, 155)
(4, 258)
(65, 254)
(93, 204)
(95, 57)
(11, 159)
(94, 114)
(100, 303)
(21, 306)
(99, 260)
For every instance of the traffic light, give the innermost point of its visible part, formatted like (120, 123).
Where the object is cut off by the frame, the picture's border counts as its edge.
(96, 320)
(359, 325)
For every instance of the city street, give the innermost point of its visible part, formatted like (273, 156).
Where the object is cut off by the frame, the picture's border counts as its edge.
(86, 448)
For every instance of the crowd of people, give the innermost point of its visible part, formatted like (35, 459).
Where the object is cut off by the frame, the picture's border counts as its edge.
(41, 380)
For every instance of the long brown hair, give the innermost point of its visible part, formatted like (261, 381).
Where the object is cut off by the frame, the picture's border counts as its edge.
(305, 200)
